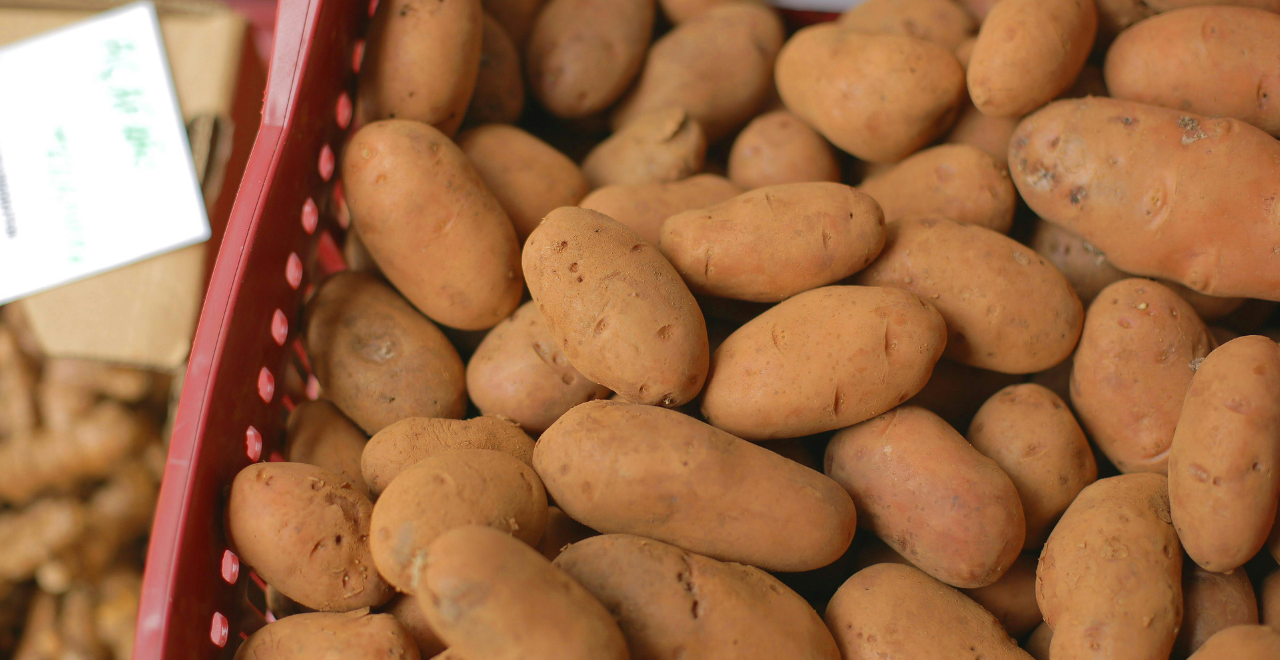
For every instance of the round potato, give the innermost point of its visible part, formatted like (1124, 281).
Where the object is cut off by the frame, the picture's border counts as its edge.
(305, 531)
(942, 22)
(955, 181)
(661, 146)
(499, 93)
(562, 531)
(955, 392)
(990, 134)
(319, 434)
(408, 612)
(644, 208)
(1241, 643)
(401, 445)
(1084, 265)
(777, 148)
(515, 16)
(823, 360)
(1012, 598)
(1212, 602)
(355, 635)
(377, 358)
(628, 469)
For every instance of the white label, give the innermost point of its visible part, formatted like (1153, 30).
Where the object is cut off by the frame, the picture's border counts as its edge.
(95, 168)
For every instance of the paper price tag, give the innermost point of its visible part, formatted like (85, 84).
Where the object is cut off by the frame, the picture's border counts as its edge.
(95, 168)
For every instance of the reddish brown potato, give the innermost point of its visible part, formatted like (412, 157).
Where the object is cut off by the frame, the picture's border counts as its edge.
(777, 147)
(355, 635)
(401, 445)
(561, 532)
(499, 93)
(644, 207)
(1241, 643)
(1012, 598)
(657, 147)
(1029, 51)
(1212, 602)
(955, 181)
(942, 22)
(319, 434)
(990, 134)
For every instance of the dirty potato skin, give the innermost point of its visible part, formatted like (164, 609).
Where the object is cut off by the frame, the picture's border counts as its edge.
(942, 22)
(823, 360)
(305, 530)
(617, 308)
(1241, 643)
(1084, 265)
(399, 446)
(1224, 463)
(319, 434)
(674, 604)
(377, 358)
(499, 93)
(355, 635)
(657, 147)
(954, 181)
(644, 207)
(1110, 577)
(774, 242)
(930, 496)
(628, 469)
(1212, 602)
(777, 147)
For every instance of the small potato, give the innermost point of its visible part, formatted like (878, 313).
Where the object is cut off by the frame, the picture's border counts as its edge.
(1038, 644)
(527, 176)
(1006, 308)
(658, 147)
(1028, 52)
(955, 392)
(492, 597)
(645, 207)
(777, 148)
(353, 635)
(1029, 432)
(895, 611)
(1012, 598)
(319, 434)
(1136, 356)
(1110, 577)
(930, 495)
(774, 242)
(401, 445)
(561, 532)
(990, 134)
(408, 612)
(710, 607)
(305, 531)
(628, 469)
(942, 22)
(1084, 265)
(618, 309)
(499, 93)
(955, 181)
(1212, 602)
(823, 360)
(426, 216)
(847, 85)
(583, 54)
(421, 63)
(1241, 643)
(377, 358)
(449, 490)
(717, 66)
(1224, 463)
(1269, 600)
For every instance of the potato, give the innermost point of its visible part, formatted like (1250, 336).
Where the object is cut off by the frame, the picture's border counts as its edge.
(774, 242)
(492, 597)
(527, 176)
(1208, 308)
(408, 612)
(305, 531)
(1029, 432)
(777, 148)
(963, 53)
(711, 608)
(1006, 308)
(823, 360)
(1084, 265)
(1109, 581)
(356, 635)
(1224, 463)
(448, 490)
(1090, 82)
(657, 147)
(942, 22)
(873, 613)
(1241, 643)
(717, 66)
(1212, 602)
(990, 134)
(955, 392)
(319, 434)
(848, 85)
(1028, 52)
(979, 8)
(645, 207)
(515, 16)
(1161, 192)
(401, 445)
(1116, 15)
(1012, 598)
(1132, 368)
(437, 233)
(930, 496)
(618, 310)
(679, 11)
(628, 469)
(561, 532)
(955, 181)
(377, 358)
(1038, 644)
(583, 54)
(421, 63)
(1269, 601)
(499, 93)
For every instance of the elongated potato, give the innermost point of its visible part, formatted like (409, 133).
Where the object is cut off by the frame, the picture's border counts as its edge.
(1110, 577)
(644, 207)
(377, 358)
(708, 608)
(1028, 52)
(355, 635)
(319, 434)
(1241, 643)
(628, 469)
(618, 310)
(1212, 602)
(823, 360)
(957, 182)
(955, 392)
(777, 147)
(774, 242)
(401, 445)
(1224, 463)
(657, 147)
(1084, 265)
(499, 93)
(437, 233)
(990, 134)
(879, 97)
(942, 22)
(1012, 598)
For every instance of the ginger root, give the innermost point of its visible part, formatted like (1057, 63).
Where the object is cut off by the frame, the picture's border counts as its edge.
(40, 638)
(33, 535)
(117, 613)
(17, 388)
(69, 389)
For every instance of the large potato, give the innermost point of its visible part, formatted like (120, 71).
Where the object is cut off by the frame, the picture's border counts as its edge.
(436, 231)
(1241, 643)
(645, 207)
(1012, 598)
(1110, 577)
(1212, 602)
(630, 469)
(823, 360)
(618, 310)
(1005, 307)
(955, 181)
(499, 93)
(879, 97)
(1084, 265)
(401, 445)
(710, 609)
(930, 495)
(774, 242)
(777, 147)
(1224, 462)
(305, 531)
(377, 358)
(942, 22)
(351, 636)
(657, 147)
(319, 434)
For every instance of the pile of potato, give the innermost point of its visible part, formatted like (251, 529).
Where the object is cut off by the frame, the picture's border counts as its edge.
(1011, 396)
